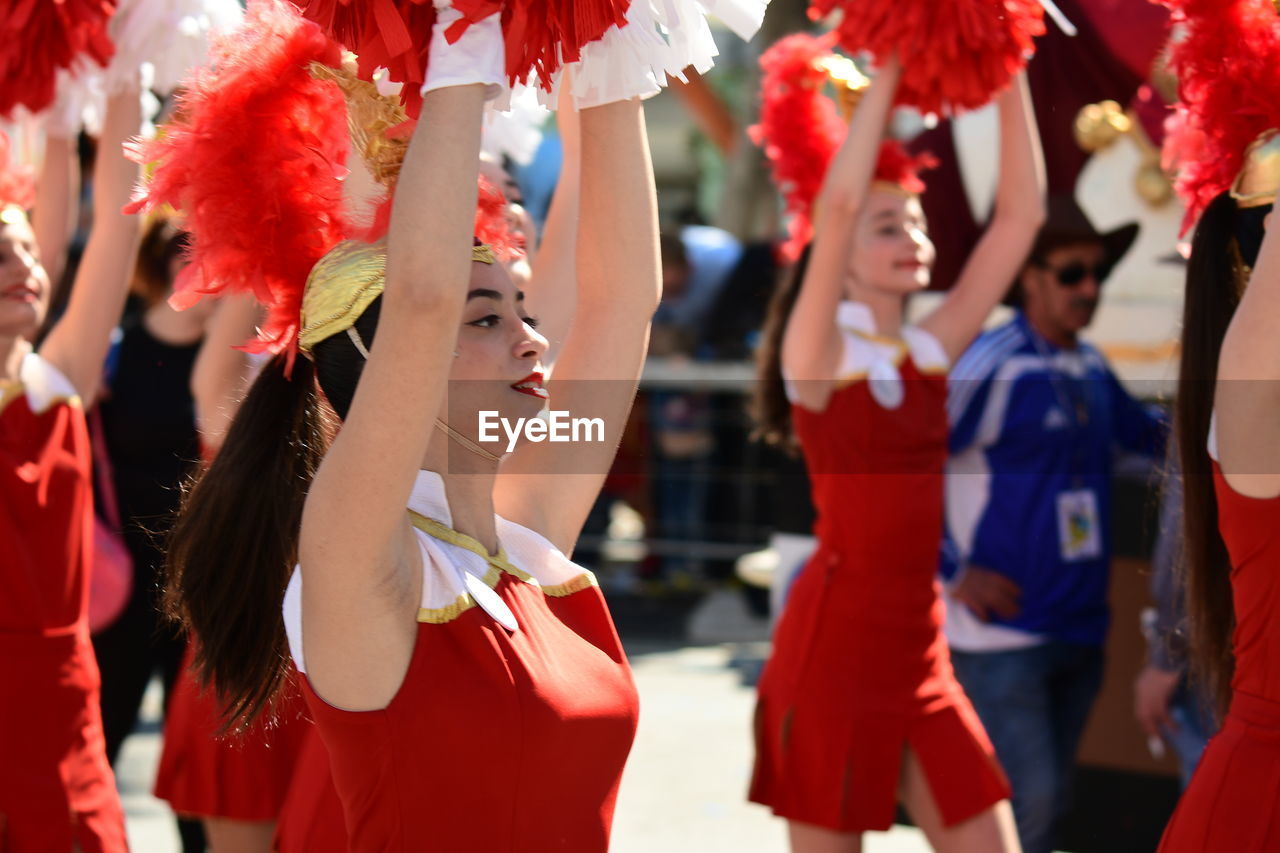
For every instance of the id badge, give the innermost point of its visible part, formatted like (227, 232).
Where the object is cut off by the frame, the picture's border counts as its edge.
(1079, 534)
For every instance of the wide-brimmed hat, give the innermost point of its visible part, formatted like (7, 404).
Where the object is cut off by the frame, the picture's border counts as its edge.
(1067, 225)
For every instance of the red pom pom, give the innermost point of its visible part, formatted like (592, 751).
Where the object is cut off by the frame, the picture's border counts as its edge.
(255, 160)
(955, 54)
(40, 37)
(17, 183)
(538, 35)
(800, 131)
(1226, 67)
(391, 34)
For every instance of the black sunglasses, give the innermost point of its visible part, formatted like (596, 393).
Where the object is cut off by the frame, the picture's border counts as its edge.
(1074, 274)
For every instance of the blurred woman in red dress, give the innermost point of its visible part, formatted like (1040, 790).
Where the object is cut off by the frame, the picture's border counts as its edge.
(57, 791)
(858, 707)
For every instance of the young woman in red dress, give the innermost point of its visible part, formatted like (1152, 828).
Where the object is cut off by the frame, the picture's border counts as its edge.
(463, 673)
(858, 707)
(56, 787)
(1226, 416)
(1232, 516)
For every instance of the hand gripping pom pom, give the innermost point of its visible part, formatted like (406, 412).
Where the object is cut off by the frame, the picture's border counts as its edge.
(955, 55)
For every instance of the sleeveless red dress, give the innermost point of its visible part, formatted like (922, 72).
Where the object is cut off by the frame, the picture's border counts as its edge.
(56, 788)
(514, 720)
(238, 777)
(860, 668)
(1234, 796)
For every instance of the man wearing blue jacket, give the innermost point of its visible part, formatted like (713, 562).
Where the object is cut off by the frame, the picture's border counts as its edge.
(1037, 417)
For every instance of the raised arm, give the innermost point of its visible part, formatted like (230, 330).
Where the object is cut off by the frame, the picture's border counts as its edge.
(1019, 212)
(356, 548)
(811, 343)
(1247, 395)
(54, 220)
(553, 290)
(221, 372)
(551, 487)
(78, 343)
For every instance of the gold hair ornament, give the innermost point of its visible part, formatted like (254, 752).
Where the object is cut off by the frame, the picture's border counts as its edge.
(344, 283)
(1259, 178)
(12, 214)
(370, 116)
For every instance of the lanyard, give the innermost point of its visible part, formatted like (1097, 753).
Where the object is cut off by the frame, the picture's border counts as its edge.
(1073, 400)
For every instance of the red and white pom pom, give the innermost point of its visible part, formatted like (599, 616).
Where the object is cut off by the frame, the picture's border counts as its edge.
(38, 38)
(1228, 89)
(172, 36)
(956, 55)
(800, 131)
(255, 160)
(17, 181)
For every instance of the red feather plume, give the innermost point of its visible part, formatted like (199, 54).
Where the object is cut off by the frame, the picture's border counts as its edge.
(255, 160)
(1228, 89)
(17, 182)
(493, 228)
(800, 131)
(956, 54)
(40, 37)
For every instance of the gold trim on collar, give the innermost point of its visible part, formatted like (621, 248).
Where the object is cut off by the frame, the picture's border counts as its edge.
(10, 390)
(441, 615)
(444, 533)
(586, 580)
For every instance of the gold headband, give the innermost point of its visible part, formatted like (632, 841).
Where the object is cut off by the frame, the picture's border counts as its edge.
(1259, 178)
(344, 283)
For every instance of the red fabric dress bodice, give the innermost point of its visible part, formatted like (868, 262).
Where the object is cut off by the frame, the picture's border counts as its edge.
(1251, 529)
(499, 739)
(46, 504)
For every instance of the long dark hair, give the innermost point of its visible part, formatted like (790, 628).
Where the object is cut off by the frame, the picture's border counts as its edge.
(771, 408)
(1214, 274)
(235, 541)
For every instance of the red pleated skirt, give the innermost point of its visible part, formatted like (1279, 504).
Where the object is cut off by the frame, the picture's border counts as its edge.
(1233, 802)
(237, 777)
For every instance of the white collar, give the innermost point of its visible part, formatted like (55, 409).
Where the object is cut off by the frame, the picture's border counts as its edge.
(855, 316)
(428, 498)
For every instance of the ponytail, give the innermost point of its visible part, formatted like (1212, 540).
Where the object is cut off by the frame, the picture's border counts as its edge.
(235, 542)
(1211, 298)
(772, 409)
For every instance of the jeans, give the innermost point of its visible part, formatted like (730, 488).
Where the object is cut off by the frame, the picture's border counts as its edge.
(1034, 703)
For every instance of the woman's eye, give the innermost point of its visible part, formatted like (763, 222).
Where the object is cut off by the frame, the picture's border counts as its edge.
(486, 322)
(532, 322)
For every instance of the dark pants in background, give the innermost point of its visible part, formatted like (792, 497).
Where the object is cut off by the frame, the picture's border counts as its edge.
(1034, 703)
